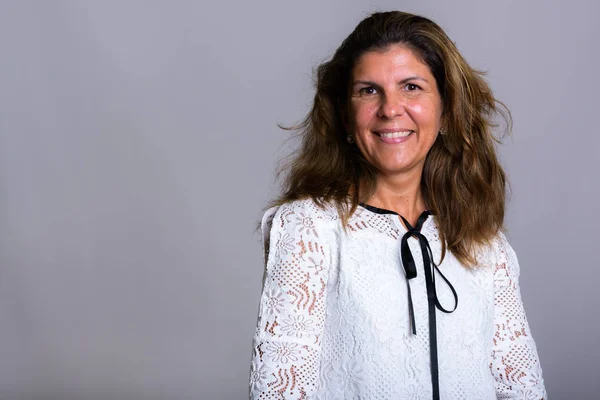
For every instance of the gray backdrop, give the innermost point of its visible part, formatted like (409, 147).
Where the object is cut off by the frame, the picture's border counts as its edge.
(138, 144)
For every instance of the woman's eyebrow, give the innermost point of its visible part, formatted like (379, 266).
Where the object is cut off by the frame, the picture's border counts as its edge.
(366, 83)
(370, 83)
(414, 78)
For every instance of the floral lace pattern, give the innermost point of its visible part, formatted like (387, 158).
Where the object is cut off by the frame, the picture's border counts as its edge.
(292, 307)
(333, 320)
(515, 363)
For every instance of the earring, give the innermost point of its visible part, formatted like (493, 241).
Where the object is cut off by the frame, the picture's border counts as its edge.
(442, 131)
(349, 139)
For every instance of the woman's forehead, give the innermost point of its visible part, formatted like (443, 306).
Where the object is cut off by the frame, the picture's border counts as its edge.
(394, 60)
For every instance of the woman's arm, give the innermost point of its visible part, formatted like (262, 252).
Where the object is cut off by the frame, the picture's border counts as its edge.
(515, 363)
(285, 363)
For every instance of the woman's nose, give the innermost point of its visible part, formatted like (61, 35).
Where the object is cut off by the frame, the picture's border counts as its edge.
(391, 106)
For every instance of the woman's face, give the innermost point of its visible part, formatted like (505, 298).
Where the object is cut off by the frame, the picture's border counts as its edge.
(395, 110)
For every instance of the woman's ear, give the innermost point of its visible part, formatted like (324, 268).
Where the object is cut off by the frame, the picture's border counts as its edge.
(443, 122)
(344, 115)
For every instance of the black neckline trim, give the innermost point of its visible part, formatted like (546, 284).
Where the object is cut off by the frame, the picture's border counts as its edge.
(378, 210)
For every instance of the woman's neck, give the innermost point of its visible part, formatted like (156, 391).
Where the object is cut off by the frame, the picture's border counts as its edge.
(399, 194)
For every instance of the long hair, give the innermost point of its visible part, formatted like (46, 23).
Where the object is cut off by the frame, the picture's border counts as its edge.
(463, 183)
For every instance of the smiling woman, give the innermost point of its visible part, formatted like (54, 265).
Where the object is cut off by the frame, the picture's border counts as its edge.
(387, 272)
(395, 111)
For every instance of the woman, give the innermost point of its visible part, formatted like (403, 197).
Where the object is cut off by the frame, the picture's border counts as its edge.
(387, 274)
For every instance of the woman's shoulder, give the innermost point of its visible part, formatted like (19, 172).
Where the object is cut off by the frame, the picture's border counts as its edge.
(307, 211)
(304, 217)
(497, 252)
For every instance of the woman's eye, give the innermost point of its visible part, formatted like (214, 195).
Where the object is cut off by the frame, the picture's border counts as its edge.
(411, 87)
(368, 91)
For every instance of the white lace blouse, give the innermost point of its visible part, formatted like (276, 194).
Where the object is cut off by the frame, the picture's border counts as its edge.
(334, 319)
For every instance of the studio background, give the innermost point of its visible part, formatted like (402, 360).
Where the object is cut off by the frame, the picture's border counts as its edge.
(138, 145)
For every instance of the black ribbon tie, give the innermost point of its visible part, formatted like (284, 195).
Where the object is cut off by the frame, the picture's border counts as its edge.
(430, 268)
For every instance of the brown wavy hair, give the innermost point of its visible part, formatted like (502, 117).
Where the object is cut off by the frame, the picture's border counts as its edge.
(463, 183)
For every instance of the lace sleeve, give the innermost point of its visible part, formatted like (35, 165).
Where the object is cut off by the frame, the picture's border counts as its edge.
(515, 363)
(286, 346)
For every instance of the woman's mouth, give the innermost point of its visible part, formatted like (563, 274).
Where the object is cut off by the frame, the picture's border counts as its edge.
(394, 137)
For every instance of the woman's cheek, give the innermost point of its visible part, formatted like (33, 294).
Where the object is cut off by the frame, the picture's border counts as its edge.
(369, 110)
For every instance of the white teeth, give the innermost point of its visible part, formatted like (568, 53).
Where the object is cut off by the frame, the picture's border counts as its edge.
(395, 135)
